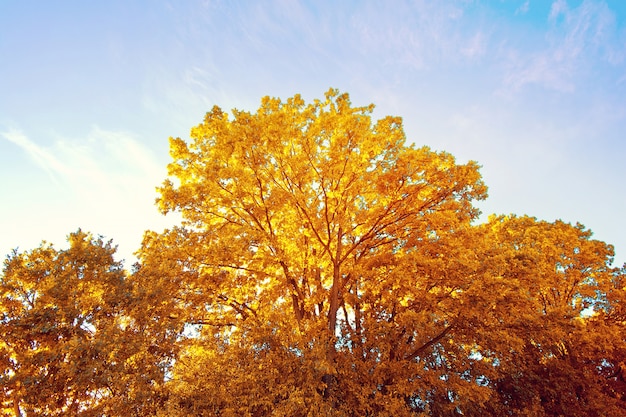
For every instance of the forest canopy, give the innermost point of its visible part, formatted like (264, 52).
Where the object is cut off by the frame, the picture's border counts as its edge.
(323, 267)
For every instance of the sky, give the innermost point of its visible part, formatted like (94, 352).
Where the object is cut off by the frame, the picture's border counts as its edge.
(90, 92)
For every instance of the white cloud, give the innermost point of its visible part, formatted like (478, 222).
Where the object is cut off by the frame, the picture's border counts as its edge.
(475, 47)
(546, 69)
(45, 159)
(523, 8)
(104, 183)
(577, 38)
(558, 7)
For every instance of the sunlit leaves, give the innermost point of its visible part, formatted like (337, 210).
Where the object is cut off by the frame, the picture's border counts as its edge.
(312, 233)
(300, 214)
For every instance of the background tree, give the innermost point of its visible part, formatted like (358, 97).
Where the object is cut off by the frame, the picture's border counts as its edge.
(68, 342)
(559, 343)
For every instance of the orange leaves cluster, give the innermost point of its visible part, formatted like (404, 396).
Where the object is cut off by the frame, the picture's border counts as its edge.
(68, 342)
(323, 267)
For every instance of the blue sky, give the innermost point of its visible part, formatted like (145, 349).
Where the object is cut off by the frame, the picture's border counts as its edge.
(535, 91)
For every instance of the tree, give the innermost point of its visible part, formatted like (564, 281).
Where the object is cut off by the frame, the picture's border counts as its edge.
(306, 228)
(562, 351)
(68, 342)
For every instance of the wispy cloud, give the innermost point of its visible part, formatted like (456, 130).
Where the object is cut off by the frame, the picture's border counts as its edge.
(475, 46)
(104, 182)
(577, 37)
(557, 8)
(102, 159)
(420, 35)
(43, 157)
(523, 8)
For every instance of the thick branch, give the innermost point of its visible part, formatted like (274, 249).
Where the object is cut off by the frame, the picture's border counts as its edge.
(337, 283)
(296, 295)
(431, 342)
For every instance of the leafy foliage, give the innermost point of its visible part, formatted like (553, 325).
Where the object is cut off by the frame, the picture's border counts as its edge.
(68, 344)
(323, 267)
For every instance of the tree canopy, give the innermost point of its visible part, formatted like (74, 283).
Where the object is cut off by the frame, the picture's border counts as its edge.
(323, 267)
(68, 345)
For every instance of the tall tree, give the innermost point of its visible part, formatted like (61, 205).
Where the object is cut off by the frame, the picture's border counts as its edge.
(305, 230)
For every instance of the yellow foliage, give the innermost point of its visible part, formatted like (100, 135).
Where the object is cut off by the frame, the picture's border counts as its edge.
(323, 267)
(328, 261)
